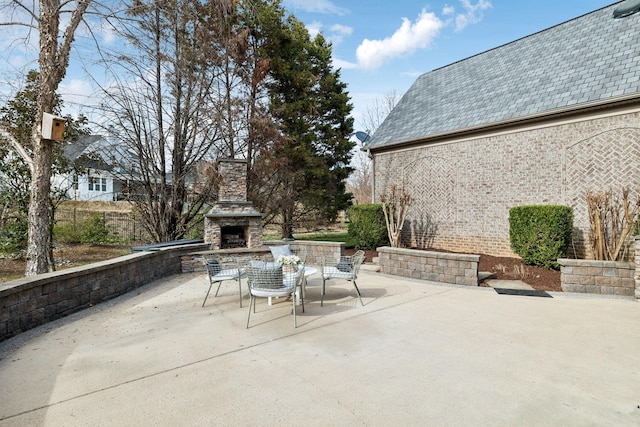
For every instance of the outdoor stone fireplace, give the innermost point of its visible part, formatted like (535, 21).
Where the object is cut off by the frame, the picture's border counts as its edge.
(233, 222)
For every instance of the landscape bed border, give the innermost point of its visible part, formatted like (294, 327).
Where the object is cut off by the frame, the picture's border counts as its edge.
(32, 301)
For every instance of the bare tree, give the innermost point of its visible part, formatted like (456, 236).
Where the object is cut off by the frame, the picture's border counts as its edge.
(376, 113)
(395, 205)
(53, 59)
(612, 220)
(164, 108)
(361, 180)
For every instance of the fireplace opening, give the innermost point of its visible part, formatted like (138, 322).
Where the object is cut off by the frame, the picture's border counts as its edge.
(233, 237)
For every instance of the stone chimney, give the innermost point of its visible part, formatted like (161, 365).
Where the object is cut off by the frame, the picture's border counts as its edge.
(233, 222)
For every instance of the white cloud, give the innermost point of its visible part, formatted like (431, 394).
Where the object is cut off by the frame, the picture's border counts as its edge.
(472, 13)
(77, 94)
(335, 35)
(448, 10)
(314, 28)
(407, 39)
(338, 32)
(316, 6)
(108, 33)
(345, 65)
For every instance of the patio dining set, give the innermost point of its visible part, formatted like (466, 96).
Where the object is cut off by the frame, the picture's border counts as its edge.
(285, 275)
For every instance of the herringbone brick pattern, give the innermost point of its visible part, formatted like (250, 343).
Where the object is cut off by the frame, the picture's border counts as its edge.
(438, 189)
(603, 162)
(463, 190)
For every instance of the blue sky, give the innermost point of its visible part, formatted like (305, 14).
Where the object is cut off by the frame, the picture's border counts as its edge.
(381, 46)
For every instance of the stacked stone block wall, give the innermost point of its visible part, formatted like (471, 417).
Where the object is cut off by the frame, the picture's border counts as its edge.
(316, 251)
(31, 301)
(463, 188)
(459, 269)
(598, 277)
(233, 187)
(636, 275)
(194, 261)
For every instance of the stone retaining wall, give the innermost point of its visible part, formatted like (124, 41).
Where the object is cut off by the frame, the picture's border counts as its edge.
(31, 301)
(461, 269)
(315, 252)
(597, 277)
(636, 258)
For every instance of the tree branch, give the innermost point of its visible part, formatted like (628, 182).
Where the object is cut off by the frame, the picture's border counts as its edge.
(19, 148)
(22, 24)
(69, 34)
(28, 10)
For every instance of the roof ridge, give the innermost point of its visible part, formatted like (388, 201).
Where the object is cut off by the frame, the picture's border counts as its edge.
(524, 37)
(590, 59)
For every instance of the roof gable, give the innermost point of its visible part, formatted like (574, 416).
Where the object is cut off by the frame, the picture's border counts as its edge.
(103, 153)
(592, 58)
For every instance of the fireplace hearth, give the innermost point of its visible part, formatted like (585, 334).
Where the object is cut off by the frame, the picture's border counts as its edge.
(232, 237)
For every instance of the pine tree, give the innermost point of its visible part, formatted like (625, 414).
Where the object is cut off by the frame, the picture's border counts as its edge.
(310, 107)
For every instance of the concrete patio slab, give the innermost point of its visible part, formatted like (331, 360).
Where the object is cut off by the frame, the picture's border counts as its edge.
(417, 353)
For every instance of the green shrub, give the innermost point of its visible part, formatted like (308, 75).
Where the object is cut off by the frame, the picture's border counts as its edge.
(540, 234)
(367, 226)
(66, 233)
(196, 228)
(94, 230)
(13, 237)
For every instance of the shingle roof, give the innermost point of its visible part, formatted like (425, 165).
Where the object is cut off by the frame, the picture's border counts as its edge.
(78, 148)
(588, 59)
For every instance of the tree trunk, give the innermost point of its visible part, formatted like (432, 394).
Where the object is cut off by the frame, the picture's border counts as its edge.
(53, 60)
(287, 224)
(38, 245)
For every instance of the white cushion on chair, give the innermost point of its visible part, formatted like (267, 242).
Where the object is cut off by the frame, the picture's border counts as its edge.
(334, 272)
(263, 264)
(228, 274)
(281, 250)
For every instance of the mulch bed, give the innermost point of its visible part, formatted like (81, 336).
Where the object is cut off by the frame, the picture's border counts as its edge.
(505, 268)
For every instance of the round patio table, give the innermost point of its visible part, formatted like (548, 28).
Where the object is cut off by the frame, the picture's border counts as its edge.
(308, 271)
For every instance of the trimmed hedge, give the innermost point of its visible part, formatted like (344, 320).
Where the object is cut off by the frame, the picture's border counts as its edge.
(540, 234)
(367, 226)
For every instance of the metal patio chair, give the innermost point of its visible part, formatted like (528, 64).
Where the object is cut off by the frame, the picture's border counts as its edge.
(270, 279)
(345, 268)
(219, 272)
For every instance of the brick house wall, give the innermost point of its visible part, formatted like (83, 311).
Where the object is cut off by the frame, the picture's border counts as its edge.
(463, 188)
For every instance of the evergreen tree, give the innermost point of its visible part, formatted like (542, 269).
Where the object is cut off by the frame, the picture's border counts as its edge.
(309, 158)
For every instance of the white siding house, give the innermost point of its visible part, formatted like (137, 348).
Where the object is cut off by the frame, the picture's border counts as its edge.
(103, 178)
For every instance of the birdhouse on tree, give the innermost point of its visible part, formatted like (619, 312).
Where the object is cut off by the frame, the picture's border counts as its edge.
(52, 127)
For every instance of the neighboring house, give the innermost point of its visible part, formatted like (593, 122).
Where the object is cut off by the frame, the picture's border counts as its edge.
(541, 120)
(106, 166)
(111, 172)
